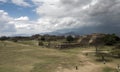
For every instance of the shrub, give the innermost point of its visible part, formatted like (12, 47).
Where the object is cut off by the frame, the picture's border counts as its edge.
(40, 43)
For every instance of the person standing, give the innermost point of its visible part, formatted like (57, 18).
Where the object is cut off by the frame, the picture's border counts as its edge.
(104, 62)
(76, 67)
(118, 66)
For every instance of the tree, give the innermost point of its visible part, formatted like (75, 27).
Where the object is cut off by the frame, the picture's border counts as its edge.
(40, 42)
(69, 38)
(111, 39)
(3, 38)
(98, 44)
(42, 38)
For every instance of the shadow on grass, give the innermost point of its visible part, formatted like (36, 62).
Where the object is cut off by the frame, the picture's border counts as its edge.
(106, 60)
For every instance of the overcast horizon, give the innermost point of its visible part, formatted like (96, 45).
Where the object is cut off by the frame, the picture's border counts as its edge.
(40, 16)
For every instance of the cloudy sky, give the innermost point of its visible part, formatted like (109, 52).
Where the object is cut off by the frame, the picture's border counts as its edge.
(39, 16)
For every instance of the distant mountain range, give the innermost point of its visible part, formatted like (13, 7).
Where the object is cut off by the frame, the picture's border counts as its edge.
(83, 31)
(78, 31)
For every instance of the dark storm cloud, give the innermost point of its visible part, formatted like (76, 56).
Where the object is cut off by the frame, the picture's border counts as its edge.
(105, 14)
(75, 3)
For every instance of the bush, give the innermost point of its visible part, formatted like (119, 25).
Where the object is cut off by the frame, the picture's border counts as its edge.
(40, 43)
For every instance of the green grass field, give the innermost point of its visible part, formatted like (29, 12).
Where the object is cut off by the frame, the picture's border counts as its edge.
(26, 56)
(23, 57)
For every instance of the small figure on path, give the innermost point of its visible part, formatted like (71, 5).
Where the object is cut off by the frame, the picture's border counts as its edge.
(118, 66)
(104, 62)
(86, 54)
(76, 67)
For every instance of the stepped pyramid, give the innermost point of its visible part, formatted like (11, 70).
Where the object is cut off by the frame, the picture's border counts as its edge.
(92, 39)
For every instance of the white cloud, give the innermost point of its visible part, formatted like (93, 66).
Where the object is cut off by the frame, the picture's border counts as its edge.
(5, 27)
(60, 14)
(10, 25)
(64, 14)
(3, 0)
(21, 3)
(25, 18)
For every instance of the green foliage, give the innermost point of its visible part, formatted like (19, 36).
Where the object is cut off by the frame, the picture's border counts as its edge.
(69, 38)
(111, 39)
(42, 38)
(4, 38)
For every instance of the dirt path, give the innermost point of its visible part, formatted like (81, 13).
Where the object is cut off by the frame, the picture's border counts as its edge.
(85, 65)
